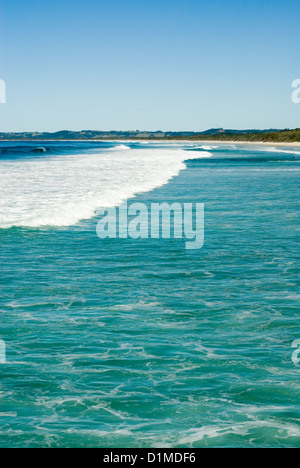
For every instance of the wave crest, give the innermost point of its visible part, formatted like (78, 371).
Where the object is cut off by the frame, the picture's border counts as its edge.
(63, 190)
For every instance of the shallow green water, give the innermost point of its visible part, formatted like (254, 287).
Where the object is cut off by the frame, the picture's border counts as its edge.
(141, 343)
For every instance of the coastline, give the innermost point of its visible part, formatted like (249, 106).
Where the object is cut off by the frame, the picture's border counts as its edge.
(223, 142)
(255, 143)
(229, 142)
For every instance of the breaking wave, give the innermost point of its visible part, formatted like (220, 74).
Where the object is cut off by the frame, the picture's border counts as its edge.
(63, 190)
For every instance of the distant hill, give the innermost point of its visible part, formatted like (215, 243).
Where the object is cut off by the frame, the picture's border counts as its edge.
(264, 136)
(271, 135)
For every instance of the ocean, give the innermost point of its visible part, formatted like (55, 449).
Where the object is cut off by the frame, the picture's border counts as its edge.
(141, 342)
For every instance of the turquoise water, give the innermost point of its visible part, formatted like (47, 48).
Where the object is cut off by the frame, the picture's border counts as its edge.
(141, 343)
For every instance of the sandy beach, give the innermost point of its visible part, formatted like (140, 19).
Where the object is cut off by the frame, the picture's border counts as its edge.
(296, 145)
(204, 142)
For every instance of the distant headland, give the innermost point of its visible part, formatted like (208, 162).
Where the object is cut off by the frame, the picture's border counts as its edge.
(214, 134)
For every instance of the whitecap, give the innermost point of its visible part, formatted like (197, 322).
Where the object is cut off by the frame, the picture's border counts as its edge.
(63, 190)
(121, 148)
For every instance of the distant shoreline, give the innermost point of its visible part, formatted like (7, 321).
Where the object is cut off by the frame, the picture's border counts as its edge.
(175, 140)
(253, 137)
(255, 143)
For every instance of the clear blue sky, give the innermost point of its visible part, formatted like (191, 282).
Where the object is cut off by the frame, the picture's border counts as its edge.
(149, 64)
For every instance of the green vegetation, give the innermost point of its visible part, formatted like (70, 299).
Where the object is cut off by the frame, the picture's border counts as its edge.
(217, 134)
(281, 136)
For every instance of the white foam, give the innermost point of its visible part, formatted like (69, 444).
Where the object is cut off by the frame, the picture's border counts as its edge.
(62, 190)
(121, 148)
(276, 150)
(243, 429)
(208, 147)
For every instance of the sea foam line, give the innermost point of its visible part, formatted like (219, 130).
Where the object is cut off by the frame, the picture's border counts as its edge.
(63, 190)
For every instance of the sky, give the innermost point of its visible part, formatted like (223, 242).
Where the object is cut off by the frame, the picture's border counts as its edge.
(149, 64)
